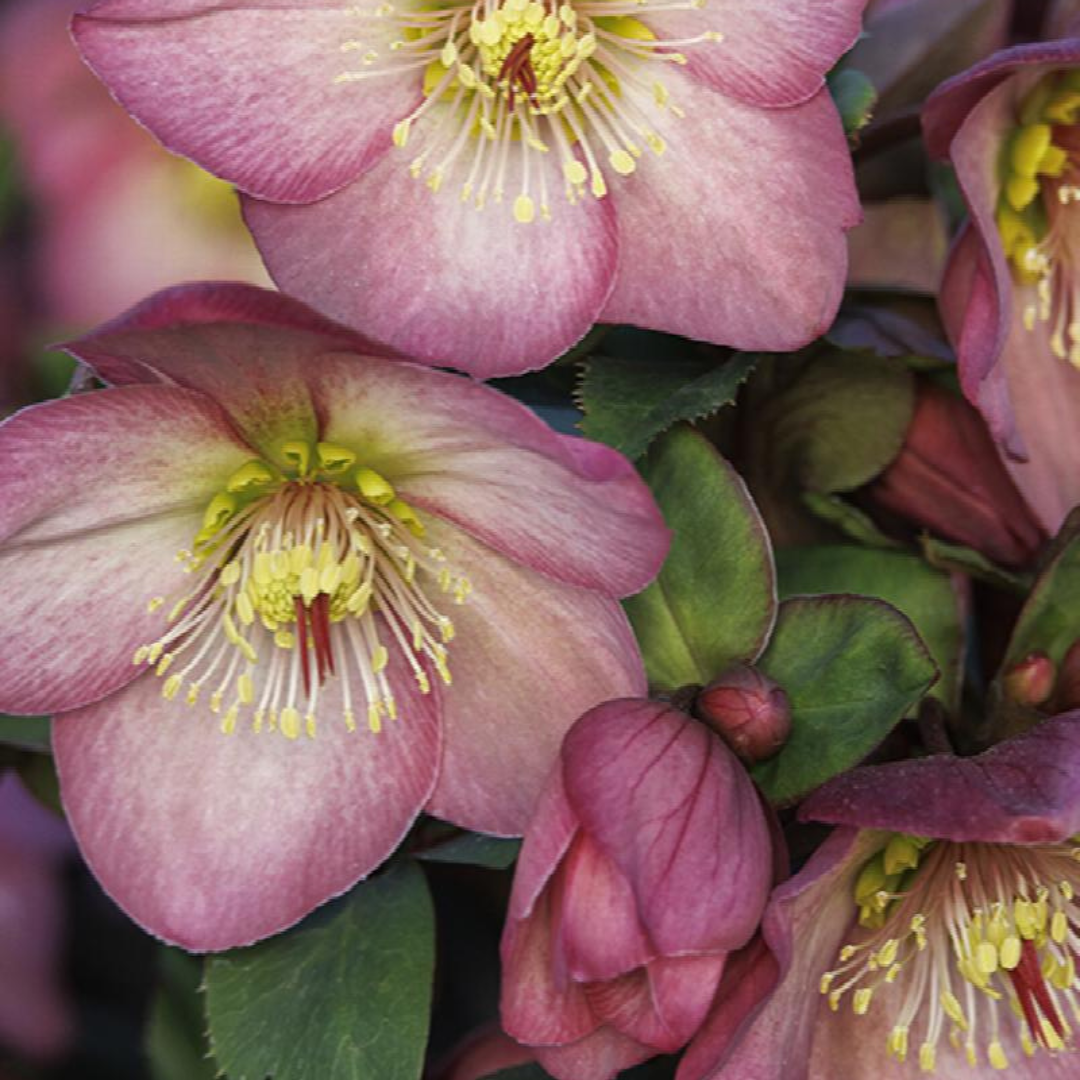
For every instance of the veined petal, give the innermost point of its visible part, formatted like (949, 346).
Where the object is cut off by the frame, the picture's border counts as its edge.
(96, 542)
(211, 841)
(439, 279)
(675, 811)
(1025, 790)
(771, 54)
(249, 90)
(574, 510)
(746, 211)
(529, 656)
(599, 1056)
(683, 988)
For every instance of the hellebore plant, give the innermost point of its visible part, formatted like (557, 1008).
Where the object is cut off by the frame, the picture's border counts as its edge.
(285, 593)
(1011, 128)
(456, 177)
(647, 862)
(933, 933)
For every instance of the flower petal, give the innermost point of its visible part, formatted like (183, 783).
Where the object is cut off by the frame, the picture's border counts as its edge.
(678, 815)
(683, 988)
(1025, 790)
(626, 1004)
(248, 90)
(599, 1056)
(735, 235)
(210, 841)
(529, 656)
(772, 53)
(436, 278)
(134, 468)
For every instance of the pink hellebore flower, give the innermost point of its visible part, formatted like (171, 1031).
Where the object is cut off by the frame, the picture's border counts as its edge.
(1011, 295)
(277, 526)
(647, 862)
(935, 932)
(455, 177)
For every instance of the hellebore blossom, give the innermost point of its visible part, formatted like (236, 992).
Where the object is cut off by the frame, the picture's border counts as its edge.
(1011, 128)
(284, 594)
(935, 932)
(455, 177)
(647, 862)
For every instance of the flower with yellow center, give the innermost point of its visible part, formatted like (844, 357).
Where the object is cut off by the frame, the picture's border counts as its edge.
(352, 587)
(934, 933)
(476, 182)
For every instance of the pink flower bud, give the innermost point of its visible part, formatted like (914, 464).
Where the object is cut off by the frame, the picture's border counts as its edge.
(949, 479)
(1031, 681)
(648, 861)
(748, 710)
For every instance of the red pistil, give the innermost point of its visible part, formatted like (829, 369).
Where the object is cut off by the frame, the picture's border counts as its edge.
(517, 68)
(313, 623)
(301, 627)
(1027, 979)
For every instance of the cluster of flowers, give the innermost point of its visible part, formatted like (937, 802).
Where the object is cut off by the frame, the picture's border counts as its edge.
(288, 585)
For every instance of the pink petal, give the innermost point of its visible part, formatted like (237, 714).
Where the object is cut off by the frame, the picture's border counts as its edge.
(804, 927)
(248, 90)
(676, 812)
(132, 471)
(735, 235)
(774, 53)
(210, 841)
(683, 988)
(599, 1056)
(598, 934)
(626, 1004)
(439, 280)
(573, 510)
(484, 1052)
(530, 655)
(536, 1008)
(1023, 791)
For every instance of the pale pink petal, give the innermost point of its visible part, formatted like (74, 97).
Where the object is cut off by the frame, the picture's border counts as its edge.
(774, 53)
(573, 510)
(440, 280)
(683, 988)
(529, 656)
(599, 1056)
(676, 812)
(626, 1004)
(735, 235)
(133, 471)
(210, 841)
(535, 1007)
(597, 932)
(249, 90)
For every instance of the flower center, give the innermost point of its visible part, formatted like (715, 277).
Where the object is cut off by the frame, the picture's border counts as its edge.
(304, 572)
(977, 938)
(508, 83)
(1040, 182)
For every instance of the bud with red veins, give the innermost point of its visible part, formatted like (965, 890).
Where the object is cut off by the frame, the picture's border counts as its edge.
(749, 711)
(1031, 681)
(949, 479)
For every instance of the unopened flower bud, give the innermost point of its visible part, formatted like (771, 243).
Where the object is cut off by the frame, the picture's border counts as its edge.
(1067, 695)
(748, 710)
(1031, 681)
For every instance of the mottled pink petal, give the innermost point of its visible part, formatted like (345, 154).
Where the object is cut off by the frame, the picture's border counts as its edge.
(440, 280)
(133, 471)
(1023, 791)
(746, 210)
(683, 988)
(774, 53)
(248, 89)
(600, 1056)
(597, 931)
(626, 1004)
(211, 841)
(529, 657)
(677, 813)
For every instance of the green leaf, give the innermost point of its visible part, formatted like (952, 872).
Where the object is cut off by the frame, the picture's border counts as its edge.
(176, 1042)
(715, 598)
(852, 667)
(855, 98)
(629, 402)
(850, 520)
(955, 557)
(474, 849)
(1049, 621)
(924, 595)
(26, 732)
(343, 996)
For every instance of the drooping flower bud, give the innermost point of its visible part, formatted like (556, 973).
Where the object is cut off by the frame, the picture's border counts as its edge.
(748, 710)
(1031, 681)
(949, 479)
